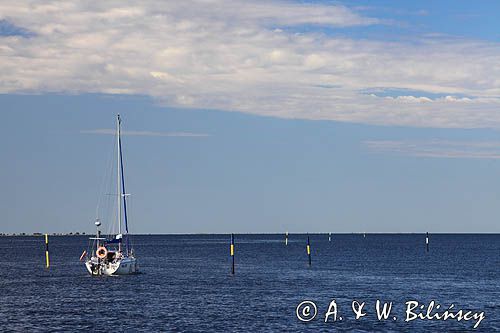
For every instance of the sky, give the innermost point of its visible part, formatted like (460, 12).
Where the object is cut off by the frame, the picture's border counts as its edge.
(252, 116)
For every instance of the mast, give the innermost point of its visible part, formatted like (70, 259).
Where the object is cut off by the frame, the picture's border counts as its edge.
(118, 182)
(122, 191)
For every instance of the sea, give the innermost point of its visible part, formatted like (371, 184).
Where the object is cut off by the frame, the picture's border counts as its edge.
(186, 284)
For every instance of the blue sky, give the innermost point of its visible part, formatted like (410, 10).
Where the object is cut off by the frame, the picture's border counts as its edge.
(360, 116)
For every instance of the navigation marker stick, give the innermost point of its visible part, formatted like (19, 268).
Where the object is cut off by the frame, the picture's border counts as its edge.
(309, 250)
(232, 253)
(427, 241)
(47, 261)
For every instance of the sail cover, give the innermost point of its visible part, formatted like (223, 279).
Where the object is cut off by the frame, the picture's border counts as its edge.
(117, 239)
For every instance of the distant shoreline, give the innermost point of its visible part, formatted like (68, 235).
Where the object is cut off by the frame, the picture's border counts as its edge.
(38, 234)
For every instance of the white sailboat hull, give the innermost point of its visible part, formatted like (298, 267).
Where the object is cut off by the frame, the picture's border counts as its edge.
(124, 266)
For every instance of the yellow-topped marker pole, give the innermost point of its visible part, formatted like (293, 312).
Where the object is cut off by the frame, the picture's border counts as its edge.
(309, 250)
(231, 249)
(47, 261)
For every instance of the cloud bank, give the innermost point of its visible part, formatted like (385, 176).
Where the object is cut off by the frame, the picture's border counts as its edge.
(437, 148)
(248, 57)
(110, 131)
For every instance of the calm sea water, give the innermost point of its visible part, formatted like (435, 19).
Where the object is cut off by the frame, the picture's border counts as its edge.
(186, 283)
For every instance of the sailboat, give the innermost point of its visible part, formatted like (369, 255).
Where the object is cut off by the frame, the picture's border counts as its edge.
(113, 255)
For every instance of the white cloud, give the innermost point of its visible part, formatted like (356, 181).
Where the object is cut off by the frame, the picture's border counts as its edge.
(242, 56)
(437, 148)
(110, 131)
(455, 99)
(410, 99)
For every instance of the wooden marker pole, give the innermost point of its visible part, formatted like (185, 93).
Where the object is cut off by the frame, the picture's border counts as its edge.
(47, 261)
(309, 250)
(286, 238)
(427, 241)
(232, 253)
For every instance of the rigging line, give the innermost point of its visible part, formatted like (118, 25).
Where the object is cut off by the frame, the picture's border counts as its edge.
(110, 177)
(103, 181)
(111, 202)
